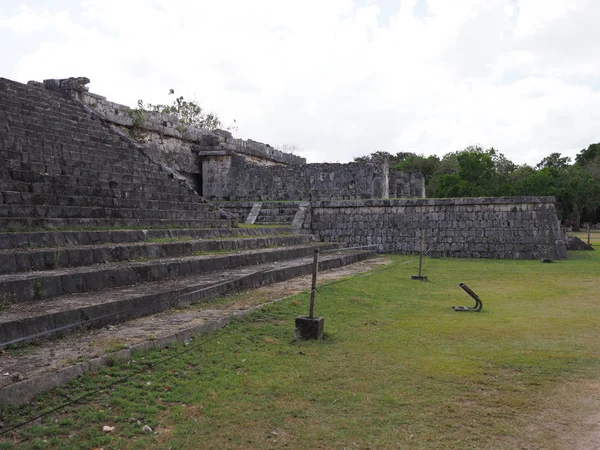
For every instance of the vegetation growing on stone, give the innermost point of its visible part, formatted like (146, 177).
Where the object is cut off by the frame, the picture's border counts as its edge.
(189, 112)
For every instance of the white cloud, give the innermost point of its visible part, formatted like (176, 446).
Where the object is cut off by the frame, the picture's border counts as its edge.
(336, 78)
(27, 20)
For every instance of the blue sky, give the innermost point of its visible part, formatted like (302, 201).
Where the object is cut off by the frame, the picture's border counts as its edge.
(337, 79)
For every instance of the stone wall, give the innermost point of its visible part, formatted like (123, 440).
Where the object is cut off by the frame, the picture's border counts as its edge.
(364, 180)
(220, 167)
(500, 228)
(171, 140)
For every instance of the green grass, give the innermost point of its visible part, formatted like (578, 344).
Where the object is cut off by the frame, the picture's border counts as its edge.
(250, 236)
(397, 369)
(7, 300)
(258, 225)
(168, 239)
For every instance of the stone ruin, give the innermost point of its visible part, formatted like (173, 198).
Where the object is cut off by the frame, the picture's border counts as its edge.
(243, 176)
(105, 216)
(221, 167)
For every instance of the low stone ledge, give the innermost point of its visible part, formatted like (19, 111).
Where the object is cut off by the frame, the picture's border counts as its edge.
(433, 202)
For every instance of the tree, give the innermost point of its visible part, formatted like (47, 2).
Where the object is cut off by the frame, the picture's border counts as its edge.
(554, 160)
(581, 191)
(411, 163)
(587, 156)
(471, 172)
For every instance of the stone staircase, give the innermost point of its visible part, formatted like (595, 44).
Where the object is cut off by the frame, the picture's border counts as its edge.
(56, 283)
(62, 167)
(277, 213)
(93, 234)
(48, 291)
(270, 213)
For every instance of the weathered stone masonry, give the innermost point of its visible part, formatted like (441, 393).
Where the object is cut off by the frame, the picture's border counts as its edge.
(325, 181)
(501, 228)
(221, 167)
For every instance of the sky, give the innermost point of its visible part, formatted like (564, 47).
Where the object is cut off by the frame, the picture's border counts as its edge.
(336, 79)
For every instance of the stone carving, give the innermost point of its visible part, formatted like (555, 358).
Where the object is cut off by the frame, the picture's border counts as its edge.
(73, 83)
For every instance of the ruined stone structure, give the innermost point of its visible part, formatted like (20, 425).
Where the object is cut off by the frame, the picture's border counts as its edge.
(87, 169)
(221, 167)
(319, 182)
(97, 227)
(63, 167)
(501, 228)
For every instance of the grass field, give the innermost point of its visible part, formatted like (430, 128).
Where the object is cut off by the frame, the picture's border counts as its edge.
(398, 369)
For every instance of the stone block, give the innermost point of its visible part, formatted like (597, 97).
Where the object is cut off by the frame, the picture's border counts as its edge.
(309, 328)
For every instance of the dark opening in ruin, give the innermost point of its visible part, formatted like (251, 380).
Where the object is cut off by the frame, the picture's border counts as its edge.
(195, 179)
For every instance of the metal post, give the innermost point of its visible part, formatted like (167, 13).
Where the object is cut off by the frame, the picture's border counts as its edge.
(420, 277)
(421, 253)
(313, 291)
(588, 230)
(547, 244)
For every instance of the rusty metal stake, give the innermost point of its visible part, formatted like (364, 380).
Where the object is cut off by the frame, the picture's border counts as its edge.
(474, 296)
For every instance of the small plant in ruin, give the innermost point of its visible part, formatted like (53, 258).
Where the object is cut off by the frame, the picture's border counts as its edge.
(189, 112)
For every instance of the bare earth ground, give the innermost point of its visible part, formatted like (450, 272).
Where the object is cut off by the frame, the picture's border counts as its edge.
(571, 413)
(570, 416)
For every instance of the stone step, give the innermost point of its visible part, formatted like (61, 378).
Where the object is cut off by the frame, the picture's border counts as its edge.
(278, 212)
(100, 212)
(49, 318)
(103, 189)
(274, 219)
(92, 158)
(241, 210)
(99, 180)
(33, 286)
(55, 200)
(50, 258)
(34, 223)
(38, 101)
(60, 135)
(39, 172)
(41, 145)
(55, 165)
(41, 239)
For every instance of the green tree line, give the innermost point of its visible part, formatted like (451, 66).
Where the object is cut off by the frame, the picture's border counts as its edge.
(475, 172)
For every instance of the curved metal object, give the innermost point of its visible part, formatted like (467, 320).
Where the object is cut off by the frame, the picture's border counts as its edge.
(478, 302)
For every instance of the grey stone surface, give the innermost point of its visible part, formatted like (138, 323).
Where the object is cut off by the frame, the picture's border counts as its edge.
(221, 167)
(253, 213)
(236, 178)
(500, 228)
(575, 243)
(309, 327)
(64, 167)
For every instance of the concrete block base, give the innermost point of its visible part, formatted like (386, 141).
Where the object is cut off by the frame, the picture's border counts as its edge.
(418, 277)
(307, 328)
